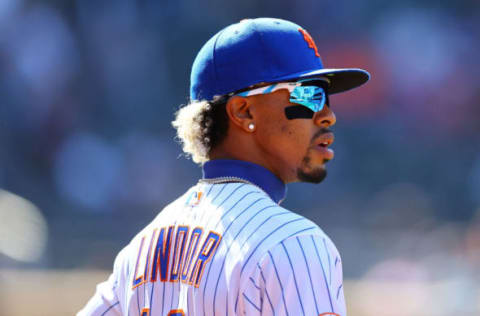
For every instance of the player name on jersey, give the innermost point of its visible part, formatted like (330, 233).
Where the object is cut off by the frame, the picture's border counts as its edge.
(180, 263)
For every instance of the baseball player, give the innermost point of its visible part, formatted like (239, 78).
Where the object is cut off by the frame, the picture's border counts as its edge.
(259, 118)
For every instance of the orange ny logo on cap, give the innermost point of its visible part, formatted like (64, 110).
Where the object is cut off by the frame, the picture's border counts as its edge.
(310, 41)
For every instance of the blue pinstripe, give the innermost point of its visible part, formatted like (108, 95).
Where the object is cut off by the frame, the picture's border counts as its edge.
(145, 289)
(241, 272)
(210, 267)
(164, 283)
(226, 229)
(253, 281)
(253, 304)
(266, 292)
(210, 190)
(261, 224)
(111, 306)
(163, 298)
(216, 225)
(280, 282)
(294, 277)
(231, 216)
(206, 195)
(329, 263)
(233, 206)
(229, 247)
(234, 238)
(190, 305)
(231, 193)
(309, 275)
(258, 245)
(172, 286)
(219, 191)
(226, 297)
(323, 271)
(300, 231)
(338, 291)
(138, 303)
(151, 297)
(218, 194)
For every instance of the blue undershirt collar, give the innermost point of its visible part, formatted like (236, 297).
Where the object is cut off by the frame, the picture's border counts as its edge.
(249, 171)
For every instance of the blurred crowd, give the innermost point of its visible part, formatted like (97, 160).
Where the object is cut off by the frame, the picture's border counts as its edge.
(88, 90)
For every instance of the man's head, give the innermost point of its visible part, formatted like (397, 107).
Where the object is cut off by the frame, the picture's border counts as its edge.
(260, 93)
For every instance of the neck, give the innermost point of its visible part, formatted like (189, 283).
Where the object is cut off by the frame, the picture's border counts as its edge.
(247, 171)
(240, 149)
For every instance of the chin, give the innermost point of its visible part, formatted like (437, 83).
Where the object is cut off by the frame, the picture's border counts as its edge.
(314, 176)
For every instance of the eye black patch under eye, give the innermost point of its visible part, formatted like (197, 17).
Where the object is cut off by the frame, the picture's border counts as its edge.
(298, 112)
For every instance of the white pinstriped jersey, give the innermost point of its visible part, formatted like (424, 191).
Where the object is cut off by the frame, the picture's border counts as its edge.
(224, 249)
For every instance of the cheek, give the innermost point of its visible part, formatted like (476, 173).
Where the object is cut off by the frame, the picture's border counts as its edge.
(279, 138)
(284, 129)
(295, 133)
(295, 141)
(289, 139)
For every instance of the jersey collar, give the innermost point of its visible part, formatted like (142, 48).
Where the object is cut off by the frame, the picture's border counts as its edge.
(251, 172)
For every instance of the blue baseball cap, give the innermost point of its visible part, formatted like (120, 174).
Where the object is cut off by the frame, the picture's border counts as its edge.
(263, 50)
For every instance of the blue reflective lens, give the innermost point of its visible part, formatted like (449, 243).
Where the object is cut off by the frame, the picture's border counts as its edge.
(312, 97)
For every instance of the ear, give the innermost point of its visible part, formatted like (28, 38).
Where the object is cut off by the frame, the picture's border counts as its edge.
(241, 112)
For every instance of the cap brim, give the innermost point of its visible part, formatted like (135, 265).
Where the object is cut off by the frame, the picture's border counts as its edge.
(341, 79)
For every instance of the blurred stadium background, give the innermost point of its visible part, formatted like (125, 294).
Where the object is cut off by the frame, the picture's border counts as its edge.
(87, 157)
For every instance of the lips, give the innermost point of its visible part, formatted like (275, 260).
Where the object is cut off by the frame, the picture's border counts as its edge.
(323, 142)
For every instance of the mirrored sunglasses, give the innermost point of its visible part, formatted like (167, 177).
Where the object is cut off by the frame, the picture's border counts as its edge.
(301, 92)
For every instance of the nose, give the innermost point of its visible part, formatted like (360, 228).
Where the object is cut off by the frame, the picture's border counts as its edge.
(325, 118)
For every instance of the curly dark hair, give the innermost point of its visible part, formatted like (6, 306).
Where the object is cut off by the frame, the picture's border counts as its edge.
(201, 126)
(214, 123)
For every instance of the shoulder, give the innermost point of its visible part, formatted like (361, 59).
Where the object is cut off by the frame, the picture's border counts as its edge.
(283, 224)
(282, 227)
(166, 215)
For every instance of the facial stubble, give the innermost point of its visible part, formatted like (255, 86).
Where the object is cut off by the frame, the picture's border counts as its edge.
(314, 174)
